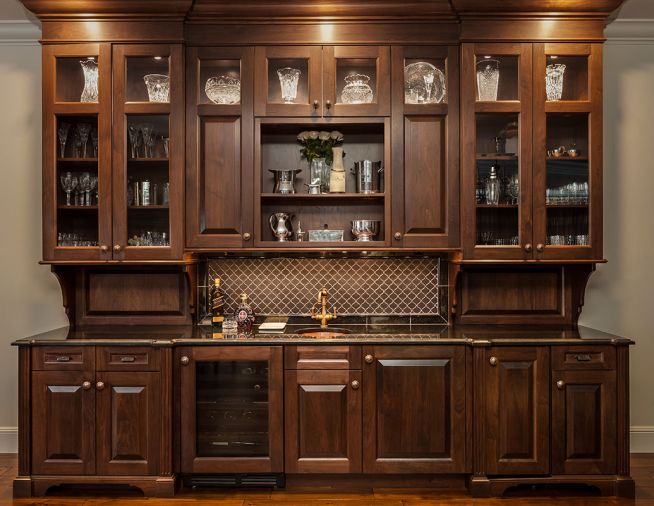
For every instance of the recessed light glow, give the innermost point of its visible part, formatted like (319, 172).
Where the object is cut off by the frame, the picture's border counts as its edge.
(488, 57)
(553, 57)
(158, 57)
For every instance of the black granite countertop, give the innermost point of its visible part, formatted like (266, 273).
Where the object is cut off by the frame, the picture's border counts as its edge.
(375, 333)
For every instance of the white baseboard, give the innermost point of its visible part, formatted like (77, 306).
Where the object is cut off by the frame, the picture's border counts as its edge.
(8, 439)
(642, 439)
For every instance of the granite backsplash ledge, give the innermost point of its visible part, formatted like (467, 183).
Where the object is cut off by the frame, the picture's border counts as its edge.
(357, 286)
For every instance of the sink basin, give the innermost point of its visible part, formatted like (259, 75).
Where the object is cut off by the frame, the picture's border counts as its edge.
(323, 333)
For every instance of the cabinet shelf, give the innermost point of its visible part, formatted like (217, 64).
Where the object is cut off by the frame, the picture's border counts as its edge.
(77, 208)
(327, 197)
(567, 206)
(153, 207)
(567, 158)
(497, 206)
(496, 156)
(147, 160)
(80, 161)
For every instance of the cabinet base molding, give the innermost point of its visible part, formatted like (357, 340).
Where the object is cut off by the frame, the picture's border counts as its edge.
(620, 486)
(349, 481)
(151, 486)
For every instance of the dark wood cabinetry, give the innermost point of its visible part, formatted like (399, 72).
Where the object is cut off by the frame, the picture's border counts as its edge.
(516, 419)
(414, 409)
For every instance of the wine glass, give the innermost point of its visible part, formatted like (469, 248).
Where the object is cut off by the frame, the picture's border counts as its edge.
(148, 139)
(68, 183)
(94, 186)
(77, 144)
(133, 131)
(94, 141)
(84, 130)
(85, 186)
(62, 133)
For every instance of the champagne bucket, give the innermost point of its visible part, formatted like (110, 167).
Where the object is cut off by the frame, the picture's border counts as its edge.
(368, 176)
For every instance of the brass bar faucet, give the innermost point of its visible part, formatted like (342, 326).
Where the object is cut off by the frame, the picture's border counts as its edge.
(323, 316)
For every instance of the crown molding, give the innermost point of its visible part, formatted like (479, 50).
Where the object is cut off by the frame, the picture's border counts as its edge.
(630, 31)
(19, 32)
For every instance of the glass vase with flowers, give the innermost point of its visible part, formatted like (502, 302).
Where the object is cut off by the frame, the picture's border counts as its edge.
(317, 149)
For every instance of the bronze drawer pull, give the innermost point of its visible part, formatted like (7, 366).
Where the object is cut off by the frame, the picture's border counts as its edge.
(560, 384)
(86, 385)
(355, 385)
(585, 357)
(128, 359)
(493, 361)
(63, 358)
(369, 359)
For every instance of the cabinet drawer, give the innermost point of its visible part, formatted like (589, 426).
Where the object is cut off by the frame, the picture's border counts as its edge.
(127, 358)
(583, 357)
(322, 357)
(63, 358)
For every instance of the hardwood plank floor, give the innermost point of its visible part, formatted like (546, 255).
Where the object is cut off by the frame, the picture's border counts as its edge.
(642, 471)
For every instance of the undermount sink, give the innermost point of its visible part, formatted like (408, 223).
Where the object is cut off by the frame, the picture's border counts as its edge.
(323, 333)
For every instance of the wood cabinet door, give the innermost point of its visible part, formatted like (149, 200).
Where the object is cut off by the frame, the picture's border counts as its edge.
(219, 150)
(414, 409)
(517, 410)
(128, 423)
(323, 421)
(231, 409)
(305, 97)
(425, 196)
(584, 422)
(63, 423)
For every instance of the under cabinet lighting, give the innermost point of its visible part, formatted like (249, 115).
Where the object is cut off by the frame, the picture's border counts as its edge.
(553, 57)
(158, 57)
(487, 57)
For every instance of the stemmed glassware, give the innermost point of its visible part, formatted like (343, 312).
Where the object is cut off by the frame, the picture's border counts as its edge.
(148, 139)
(84, 130)
(94, 141)
(68, 183)
(62, 134)
(85, 186)
(133, 131)
(94, 187)
(77, 144)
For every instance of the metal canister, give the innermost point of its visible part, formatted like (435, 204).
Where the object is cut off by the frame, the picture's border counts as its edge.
(145, 193)
(368, 176)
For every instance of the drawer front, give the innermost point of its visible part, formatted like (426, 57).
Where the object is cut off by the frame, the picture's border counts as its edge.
(574, 358)
(322, 357)
(127, 358)
(63, 358)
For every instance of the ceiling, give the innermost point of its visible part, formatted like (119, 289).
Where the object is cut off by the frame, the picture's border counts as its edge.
(632, 9)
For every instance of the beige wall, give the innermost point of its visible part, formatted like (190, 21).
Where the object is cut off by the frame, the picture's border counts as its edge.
(30, 299)
(620, 295)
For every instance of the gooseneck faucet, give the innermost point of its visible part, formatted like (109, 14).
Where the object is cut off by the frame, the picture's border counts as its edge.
(323, 316)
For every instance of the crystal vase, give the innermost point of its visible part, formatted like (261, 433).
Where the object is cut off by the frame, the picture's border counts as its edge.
(488, 79)
(319, 173)
(288, 81)
(554, 81)
(90, 92)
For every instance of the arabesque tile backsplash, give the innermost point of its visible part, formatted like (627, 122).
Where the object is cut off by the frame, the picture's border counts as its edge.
(357, 286)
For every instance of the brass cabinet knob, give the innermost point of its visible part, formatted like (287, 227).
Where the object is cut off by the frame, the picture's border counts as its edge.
(540, 248)
(355, 385)
(560, 384)
(528, 247)
(117, 247)
(247, 236)
(316, 104)
(328, 104)
(104, 248)
(99, 385)
(397, 236)
(493, 361)
(369, 359)
(184, 360)
(86, 385)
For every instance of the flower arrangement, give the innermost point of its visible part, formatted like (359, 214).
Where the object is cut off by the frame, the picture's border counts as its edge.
(319, 144)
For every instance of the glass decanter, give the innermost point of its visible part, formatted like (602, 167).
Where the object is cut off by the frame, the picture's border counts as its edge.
(493, 188)
(357, 90)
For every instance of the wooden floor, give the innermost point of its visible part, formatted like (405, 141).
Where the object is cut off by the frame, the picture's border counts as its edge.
(642, 472)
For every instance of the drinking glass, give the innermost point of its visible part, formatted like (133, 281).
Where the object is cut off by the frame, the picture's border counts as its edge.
(68, 183)
(165, 141)
(90, 69)
(148, 139)
(77, 144)
(488, 79)
(133, 132)
(62, 133)
(158, 86)
(84, 130)
(94, 186)
(85, 186)
(288, 79)
(554, 81)
(94, 141)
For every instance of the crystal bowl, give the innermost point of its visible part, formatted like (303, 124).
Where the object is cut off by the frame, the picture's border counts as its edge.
(158, 86)
(357, 90)
(223, 90)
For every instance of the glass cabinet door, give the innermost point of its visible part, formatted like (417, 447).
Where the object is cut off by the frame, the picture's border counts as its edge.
(231, 409)
(355, 81)
(497, 151)
(567, 151)
(77, 152)
(288, 81)
(148, 152)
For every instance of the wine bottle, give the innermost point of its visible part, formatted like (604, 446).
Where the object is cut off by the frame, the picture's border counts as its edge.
(217, 305)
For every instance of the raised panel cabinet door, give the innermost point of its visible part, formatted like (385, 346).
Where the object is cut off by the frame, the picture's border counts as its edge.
(517, 410)
(128, 422)
(232, 412)
(219, 149)
(323, 421)
(425, 158)
(584, 422)
(414, 409)
(63, 423)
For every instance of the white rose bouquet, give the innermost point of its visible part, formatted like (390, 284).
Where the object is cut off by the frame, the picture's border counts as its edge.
(319, 144)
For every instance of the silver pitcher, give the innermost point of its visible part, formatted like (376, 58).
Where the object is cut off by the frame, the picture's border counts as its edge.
(280, 224)
(368, 176)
